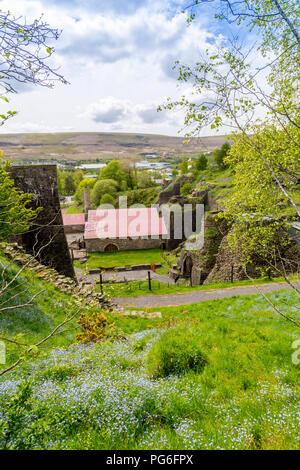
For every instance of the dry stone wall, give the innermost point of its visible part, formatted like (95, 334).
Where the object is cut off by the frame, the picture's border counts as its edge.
(83, 294)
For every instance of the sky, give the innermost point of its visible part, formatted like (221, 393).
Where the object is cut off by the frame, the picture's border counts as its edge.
(118, 56)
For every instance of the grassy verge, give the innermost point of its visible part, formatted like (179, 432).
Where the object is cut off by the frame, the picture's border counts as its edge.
(75, 209)
(139, 288)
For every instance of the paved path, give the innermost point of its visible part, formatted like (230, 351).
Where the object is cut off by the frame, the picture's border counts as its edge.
(138, 275)
(193, 297)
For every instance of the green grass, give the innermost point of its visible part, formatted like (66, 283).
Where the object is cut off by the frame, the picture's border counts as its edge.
(75, 209)
(139, 288)
(128, 258)
(31, 323)
(245, 397)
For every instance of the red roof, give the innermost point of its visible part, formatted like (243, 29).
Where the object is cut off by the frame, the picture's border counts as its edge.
(73, 219)
(124, 223)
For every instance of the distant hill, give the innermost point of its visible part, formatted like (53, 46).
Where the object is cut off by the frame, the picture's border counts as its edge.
(93, 145)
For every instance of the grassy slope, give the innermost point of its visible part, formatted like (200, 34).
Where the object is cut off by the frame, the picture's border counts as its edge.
(101, 397)
(31, 323)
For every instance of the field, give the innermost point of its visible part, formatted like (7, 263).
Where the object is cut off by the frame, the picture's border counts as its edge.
(98, 146)
(231, 385)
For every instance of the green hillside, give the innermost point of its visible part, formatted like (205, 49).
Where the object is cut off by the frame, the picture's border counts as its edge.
(232, 386)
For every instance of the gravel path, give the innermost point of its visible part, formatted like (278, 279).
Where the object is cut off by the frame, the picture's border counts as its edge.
(186, 298)
(139, 275)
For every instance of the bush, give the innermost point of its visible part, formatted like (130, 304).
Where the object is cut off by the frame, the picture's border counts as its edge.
(186, 189)
(95, 328)
(201, 163)
(102, 187)
(176, 352)
(107, 199)
(84, 184)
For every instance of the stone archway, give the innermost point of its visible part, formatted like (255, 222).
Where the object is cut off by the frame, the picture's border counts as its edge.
(111, 247)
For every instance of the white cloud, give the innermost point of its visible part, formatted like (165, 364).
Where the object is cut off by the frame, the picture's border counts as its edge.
(118, 56)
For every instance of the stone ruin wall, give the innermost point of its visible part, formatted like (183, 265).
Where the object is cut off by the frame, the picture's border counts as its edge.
(96, 244)
(46, 238)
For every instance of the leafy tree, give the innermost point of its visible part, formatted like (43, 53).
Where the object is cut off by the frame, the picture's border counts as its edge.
(184, 166)
(85, 183)
(25, 48)
(220, 155)
(69, 186)
(201, 163)
(78, 177)
(114, 171)
(186, 189)
(231, 93)
(145, 180)
(102, 187)
(267, 211)
(15, 215)
(107, 199)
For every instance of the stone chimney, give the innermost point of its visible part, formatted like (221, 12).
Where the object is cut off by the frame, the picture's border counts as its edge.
(87, 202)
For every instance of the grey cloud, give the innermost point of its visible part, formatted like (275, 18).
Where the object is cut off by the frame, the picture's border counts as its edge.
(151, 115)
(109, 116)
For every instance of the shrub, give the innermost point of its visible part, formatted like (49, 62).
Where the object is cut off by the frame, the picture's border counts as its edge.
(176, 352)
(201, 163)
(101, 188)
(95, 328)
(107, 199)
(186, 189)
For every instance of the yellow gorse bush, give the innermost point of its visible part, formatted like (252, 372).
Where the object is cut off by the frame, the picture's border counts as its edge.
(92, 327)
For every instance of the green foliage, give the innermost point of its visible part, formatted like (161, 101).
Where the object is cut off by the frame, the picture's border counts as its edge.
(183, 166)
(114, 171)
(69, 184)
(66, 182)
(147, 196)
(107, 199)
(85, 183)
(145, 180)
(186, 189)
(102, 187)
(201, 162)
(15, 214)
(220, 156)
(11, 430)
(255, 204)
(178, 351)
(78, 177)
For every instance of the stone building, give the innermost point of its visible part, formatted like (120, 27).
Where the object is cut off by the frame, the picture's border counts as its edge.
(118, 229)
